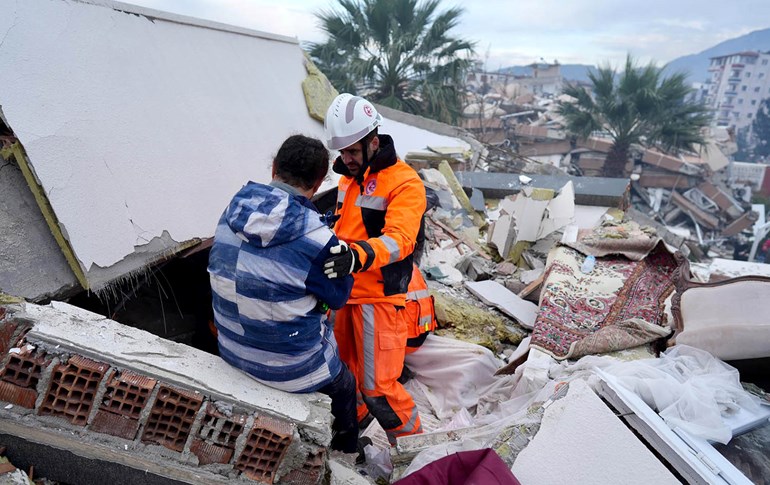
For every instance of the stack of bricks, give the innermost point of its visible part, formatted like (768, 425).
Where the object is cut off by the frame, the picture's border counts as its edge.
(98, 397)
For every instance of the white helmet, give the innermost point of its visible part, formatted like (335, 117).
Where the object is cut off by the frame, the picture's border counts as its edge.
(349, 119)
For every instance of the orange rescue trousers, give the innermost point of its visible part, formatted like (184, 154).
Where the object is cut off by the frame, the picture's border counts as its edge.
(371, 340)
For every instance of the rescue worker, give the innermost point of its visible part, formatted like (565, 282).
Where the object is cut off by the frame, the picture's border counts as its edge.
(380, 203)
(270, 294)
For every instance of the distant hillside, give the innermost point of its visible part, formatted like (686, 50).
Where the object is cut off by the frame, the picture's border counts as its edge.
(570, 72)
(696, 65)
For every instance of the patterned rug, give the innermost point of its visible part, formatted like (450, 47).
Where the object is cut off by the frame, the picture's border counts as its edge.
(627, 238)
(616, 306)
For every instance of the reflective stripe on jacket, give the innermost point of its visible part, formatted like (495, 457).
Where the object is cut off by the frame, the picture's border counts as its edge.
(380, 219)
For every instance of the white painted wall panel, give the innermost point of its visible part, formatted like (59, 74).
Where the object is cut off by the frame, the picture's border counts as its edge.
(136, 127)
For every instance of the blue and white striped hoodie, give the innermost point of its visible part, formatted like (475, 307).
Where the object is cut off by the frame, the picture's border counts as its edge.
(266, 270)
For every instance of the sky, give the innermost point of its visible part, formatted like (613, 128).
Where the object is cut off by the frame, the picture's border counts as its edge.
(519, 32)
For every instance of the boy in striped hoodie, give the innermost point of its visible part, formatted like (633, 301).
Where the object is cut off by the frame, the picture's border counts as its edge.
(270, 293)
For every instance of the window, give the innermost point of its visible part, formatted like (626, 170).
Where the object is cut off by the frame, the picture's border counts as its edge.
(740, 101)
(761, 75)
(736, 115)
(753, 102)
(743, 88)
(756, 89)
(750, 115)
(748, 74)
(764, 62)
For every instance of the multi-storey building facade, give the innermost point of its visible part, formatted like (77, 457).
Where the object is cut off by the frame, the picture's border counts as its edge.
(545, 79)
(736, 86)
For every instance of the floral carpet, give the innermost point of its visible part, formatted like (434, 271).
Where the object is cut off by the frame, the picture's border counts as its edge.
(618, 305)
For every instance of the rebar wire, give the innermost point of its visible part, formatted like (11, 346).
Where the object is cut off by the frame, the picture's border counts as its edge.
(173, 295)
(162, 311)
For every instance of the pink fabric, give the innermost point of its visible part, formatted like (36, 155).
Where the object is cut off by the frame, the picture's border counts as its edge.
(478, 467)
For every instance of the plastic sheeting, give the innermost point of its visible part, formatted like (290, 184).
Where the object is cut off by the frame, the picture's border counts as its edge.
(690, 389)
(451, 373)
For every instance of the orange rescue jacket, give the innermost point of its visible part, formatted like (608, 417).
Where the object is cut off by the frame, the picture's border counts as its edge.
(379, 219)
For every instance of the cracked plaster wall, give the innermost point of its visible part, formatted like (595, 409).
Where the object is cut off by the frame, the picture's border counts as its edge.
(135, 127)
(140, 125)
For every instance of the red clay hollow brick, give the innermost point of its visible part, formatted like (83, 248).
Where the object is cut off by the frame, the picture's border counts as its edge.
(310, 473)
(266, 446)
(215, 441)
(7, 329)
(127, 394)
(209, 453)
(124, 399)
(24, 369)
(17, 395)
(114, 424)
(72, 389)
(220, 429)
(171, 417)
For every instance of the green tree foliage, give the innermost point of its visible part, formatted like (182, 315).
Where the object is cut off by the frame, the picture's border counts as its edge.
(761, 129)
(637, 106)
(399, 53)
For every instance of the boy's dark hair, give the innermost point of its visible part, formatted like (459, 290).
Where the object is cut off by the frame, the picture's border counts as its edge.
(301, 161)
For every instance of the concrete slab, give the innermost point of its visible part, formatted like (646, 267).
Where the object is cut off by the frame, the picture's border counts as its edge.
(494, 294)
(100, 338)
(567, 442)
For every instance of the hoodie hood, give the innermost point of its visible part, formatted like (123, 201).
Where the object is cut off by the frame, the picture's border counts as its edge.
(268, 216)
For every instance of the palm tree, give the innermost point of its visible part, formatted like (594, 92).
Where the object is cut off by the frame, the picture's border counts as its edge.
(638, 106)
(398, 53)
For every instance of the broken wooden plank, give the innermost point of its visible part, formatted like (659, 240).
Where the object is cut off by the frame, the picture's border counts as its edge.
(458, 191)
(475, 247)
(532, 286)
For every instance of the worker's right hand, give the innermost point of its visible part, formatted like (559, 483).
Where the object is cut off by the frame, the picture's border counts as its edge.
(343, 262)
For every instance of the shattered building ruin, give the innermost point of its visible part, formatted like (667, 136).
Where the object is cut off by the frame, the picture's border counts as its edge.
(567, 301)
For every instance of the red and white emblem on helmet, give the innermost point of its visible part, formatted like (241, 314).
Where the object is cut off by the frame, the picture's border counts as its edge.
(370, 187)
(368, 110)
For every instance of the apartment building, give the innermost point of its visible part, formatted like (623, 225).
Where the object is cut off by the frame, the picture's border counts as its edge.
(736, 86)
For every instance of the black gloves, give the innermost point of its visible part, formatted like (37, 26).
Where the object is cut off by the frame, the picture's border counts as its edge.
(344, 261)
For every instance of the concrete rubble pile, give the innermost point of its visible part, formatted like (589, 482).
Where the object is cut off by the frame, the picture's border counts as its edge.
(702, 199)
(536, 249)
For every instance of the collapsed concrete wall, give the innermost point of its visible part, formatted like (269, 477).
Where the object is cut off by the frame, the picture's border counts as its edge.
(72, 372)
